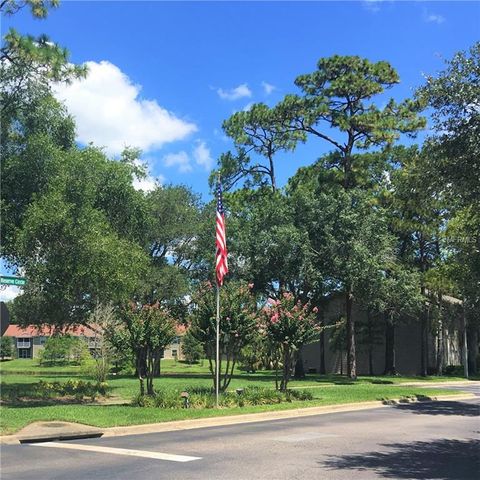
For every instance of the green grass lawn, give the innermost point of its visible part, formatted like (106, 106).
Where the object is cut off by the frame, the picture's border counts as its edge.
(22, 375)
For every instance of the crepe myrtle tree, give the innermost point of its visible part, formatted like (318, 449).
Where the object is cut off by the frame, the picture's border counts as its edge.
(238, 325)
(146, 330)
(288, 325)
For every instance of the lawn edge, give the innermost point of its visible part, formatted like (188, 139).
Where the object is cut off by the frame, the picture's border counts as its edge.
(218, 421)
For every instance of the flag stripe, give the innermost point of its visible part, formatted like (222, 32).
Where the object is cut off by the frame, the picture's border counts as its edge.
(221, 264)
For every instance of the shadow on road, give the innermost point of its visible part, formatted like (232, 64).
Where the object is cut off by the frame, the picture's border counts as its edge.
(442, 459)
(442, 408)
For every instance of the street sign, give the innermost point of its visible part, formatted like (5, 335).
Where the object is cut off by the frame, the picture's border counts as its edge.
(7, 280)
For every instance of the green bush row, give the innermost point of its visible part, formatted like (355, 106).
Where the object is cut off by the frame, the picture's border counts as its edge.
(42, 390)
(76, 388)
(200, 398)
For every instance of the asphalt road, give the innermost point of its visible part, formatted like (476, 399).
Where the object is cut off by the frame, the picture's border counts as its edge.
(437, 440)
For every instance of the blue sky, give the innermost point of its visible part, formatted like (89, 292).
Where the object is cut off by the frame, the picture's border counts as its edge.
(164, 75)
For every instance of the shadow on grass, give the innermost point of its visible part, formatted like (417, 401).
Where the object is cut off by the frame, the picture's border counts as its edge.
(13, 390)
(442, 459)
(27, 395)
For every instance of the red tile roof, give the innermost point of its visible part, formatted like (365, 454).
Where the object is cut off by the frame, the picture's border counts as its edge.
(46, 331)
(180, 329)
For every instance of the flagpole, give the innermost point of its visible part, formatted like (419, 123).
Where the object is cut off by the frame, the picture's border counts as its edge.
(217, 362)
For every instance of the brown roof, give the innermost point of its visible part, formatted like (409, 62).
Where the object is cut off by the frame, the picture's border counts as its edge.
(180, 329)
(46, 331)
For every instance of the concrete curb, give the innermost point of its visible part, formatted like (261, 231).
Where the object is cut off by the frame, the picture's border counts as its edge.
(228, 420)
(460, 383)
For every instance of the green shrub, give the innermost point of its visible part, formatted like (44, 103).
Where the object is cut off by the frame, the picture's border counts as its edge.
(299, 395)
(191, 348)
(6, 347)
(143, 401)
(78, 389)
(454, 370)
(201, 398)
(61, 349)
(168, 399)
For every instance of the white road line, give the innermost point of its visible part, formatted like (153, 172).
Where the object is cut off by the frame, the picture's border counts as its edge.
(117, 451)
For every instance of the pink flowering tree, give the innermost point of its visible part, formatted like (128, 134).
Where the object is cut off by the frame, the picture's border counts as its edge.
(145, 330)
(238, 324)
(288, 326)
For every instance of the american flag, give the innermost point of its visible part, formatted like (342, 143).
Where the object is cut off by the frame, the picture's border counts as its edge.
(221, 267)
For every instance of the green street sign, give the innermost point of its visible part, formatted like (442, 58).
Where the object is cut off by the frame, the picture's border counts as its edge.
(6, 280)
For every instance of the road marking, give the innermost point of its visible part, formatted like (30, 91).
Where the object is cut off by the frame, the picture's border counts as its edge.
(117, 451)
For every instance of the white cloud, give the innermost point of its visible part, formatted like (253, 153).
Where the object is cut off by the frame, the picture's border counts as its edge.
(109, 112)
(241, 91)
(202, 155)
(148, 182)
(9, 293)
(268, 88)
(433, 18)
(180, 160)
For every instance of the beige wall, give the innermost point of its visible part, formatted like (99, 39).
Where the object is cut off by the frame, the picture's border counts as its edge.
(407, 351)
(172, 348)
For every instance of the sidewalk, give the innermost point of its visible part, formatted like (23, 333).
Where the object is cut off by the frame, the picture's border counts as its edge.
(49, 431)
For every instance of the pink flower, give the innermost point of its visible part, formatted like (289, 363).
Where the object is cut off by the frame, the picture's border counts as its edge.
(250, 286)
(274, 318)
(315, 309)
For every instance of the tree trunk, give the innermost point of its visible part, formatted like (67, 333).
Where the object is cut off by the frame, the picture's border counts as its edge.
(351, 355)
(299, 370)
(139, 373)
(472, 341)
(370, 340)
(272, 171)
(370, 360)
(322, 353)
(156, 372)
(276, 371)
(423, 350)
(286, 368)
(149, 372)
(464, 342)
(390, 368)
(423, 329)
(441, 350)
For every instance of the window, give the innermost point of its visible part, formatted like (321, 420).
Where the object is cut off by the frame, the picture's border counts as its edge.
(23, 353)
(176, 340)
(174, 353)
(23, 343)
(43, 340)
